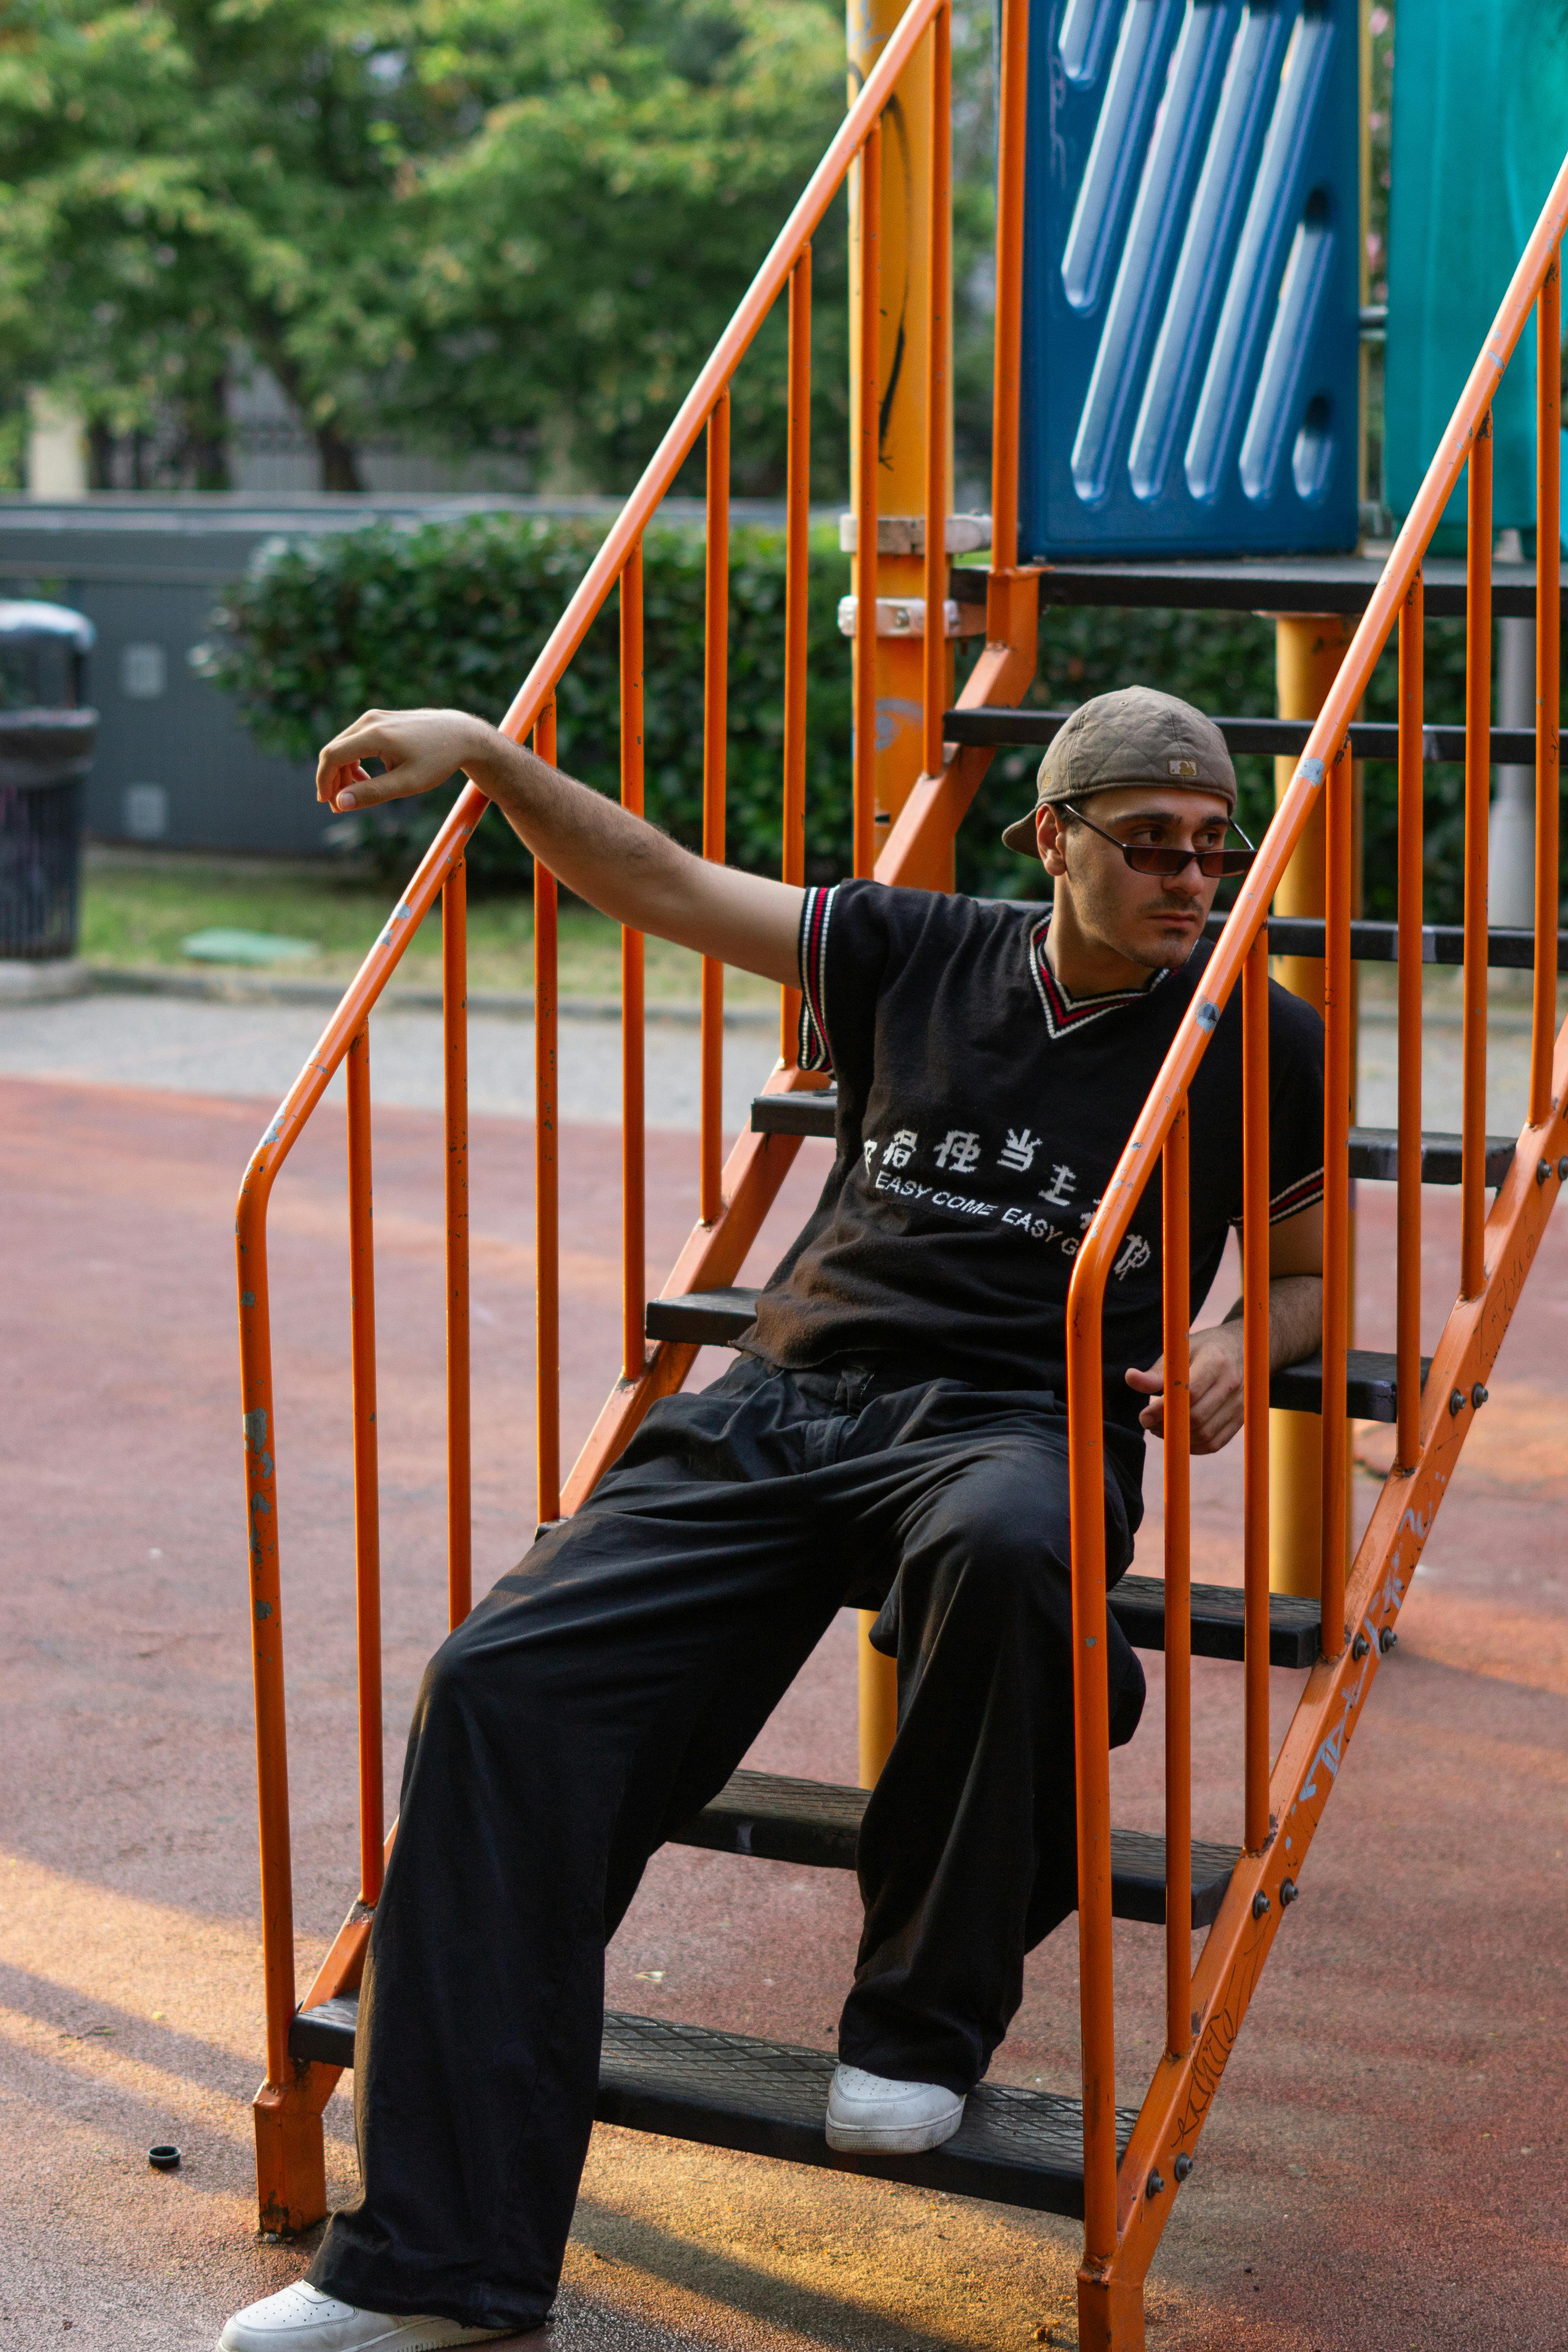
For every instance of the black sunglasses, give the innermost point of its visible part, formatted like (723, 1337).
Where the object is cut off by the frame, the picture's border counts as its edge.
(1144, 858)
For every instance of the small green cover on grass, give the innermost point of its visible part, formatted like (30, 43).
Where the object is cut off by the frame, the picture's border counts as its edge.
(223, 946)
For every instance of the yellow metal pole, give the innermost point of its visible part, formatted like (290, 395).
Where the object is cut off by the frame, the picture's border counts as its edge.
(901, 490)
(1309, 649)
(901, 469)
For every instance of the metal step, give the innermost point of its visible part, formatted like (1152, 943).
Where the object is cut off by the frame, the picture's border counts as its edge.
(1281, 738)
(1280, 584)
(1373, 1151)
(1444, 943)
(719, 1318)
(1374, 1155)
(817, 1823)
(728, 2090)
(1371, 1391)
(1371, 943)
(1218, 1623)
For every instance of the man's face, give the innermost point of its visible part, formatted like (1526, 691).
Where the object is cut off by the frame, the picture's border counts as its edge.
(1152, 919)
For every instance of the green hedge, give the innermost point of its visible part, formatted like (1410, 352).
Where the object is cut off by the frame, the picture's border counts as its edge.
(320, 629)
(454, 613)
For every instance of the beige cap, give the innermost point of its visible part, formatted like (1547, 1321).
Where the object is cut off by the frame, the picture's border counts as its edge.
(1136, 736)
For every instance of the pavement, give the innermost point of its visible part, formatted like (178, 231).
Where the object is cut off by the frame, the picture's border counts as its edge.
(251, 1047)
(1382, 2167)
(245, 1050)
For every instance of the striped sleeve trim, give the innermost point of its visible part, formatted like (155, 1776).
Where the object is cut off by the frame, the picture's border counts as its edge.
(1304, 1194)
(815, 1052)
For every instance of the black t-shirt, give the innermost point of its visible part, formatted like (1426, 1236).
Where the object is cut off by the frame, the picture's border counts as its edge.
(981, 1113)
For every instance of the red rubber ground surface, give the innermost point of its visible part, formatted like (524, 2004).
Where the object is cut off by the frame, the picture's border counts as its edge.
(1383, 2165)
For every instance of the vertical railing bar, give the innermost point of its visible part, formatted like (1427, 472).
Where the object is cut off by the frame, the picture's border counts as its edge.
(1477, 820)
(1339, 1081)
(1091, 1750)
(867, 331)
(939, 272)
(455, 1092)
(1011, 132)
(715, 730)
(634, 1197)
(797, 593)
(1255, 1196)
(265, 1614)
(546, 1165)
(1177, 1250)
(1411, 910)
(367, 1483)
(1548, 692)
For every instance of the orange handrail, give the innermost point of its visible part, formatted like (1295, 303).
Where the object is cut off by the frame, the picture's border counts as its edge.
(1411, 907)
(546, 1167)
(633, 1167)
(797, 586)
(1125, 2203)
(532, 708)
(367, 1491)
(939, 329)
(715, 769)
(455, 1104)
(1176, 1234)
(867, 437)
(1110, 2202)
(1012, 142)
(1255, 1330)
(1478, 814)
(1547, 677)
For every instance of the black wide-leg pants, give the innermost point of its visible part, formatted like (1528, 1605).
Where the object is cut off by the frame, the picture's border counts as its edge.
(609, 1685)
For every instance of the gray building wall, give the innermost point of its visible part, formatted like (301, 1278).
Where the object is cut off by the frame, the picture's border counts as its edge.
(173, 765)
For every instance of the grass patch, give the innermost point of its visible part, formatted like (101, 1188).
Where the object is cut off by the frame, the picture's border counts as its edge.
(136, 911)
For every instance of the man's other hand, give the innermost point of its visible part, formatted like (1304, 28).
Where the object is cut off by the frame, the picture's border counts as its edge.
(418, 749)
(1214, 1379)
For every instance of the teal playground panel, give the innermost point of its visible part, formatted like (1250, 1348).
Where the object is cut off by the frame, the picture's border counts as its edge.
(1190, 287)
(1480, 121)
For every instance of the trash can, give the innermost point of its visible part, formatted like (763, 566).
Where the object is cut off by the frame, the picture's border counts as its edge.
(47, 738)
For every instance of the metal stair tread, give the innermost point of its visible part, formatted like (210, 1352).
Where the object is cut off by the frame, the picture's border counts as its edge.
(775, 1818)
(1370, 739)
(1373, 1151)
(1218, 1620)
(718, 1318)
(768, 2098)
(1280, 583)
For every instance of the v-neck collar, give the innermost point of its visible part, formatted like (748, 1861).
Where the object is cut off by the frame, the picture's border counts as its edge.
(1066, 1014)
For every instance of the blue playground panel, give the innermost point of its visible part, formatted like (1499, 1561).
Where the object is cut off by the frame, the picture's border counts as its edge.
(1190, 279)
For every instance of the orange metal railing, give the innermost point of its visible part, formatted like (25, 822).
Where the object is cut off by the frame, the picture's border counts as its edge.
(1126, 2203)
(733, 1196)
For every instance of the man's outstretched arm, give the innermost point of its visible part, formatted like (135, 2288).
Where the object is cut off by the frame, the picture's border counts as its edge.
(625, 868)
(1295, 1329)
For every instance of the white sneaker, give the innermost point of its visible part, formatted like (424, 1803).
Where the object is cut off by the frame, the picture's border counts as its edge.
(302, 2319)
(873, 2116)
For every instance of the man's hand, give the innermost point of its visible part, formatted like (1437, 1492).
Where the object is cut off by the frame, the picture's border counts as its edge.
(625, 868)
(1295, 1329)
(418, 749)
(1214, 1379)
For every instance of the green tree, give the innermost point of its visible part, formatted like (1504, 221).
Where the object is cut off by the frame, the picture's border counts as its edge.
(485, 222)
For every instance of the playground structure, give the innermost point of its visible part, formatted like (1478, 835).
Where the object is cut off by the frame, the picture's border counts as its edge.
(1120, 2169)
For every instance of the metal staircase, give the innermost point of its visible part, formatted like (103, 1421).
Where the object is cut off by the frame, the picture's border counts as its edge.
(1076, 2152)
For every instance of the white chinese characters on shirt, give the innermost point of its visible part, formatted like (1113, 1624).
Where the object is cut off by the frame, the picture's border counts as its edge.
(961, 1150)
(958, 1151)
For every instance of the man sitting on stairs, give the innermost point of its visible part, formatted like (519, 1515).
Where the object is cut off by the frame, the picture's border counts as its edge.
(892, 1434)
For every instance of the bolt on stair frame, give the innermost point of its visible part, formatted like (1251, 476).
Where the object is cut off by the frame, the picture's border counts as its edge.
(1126, 2202)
